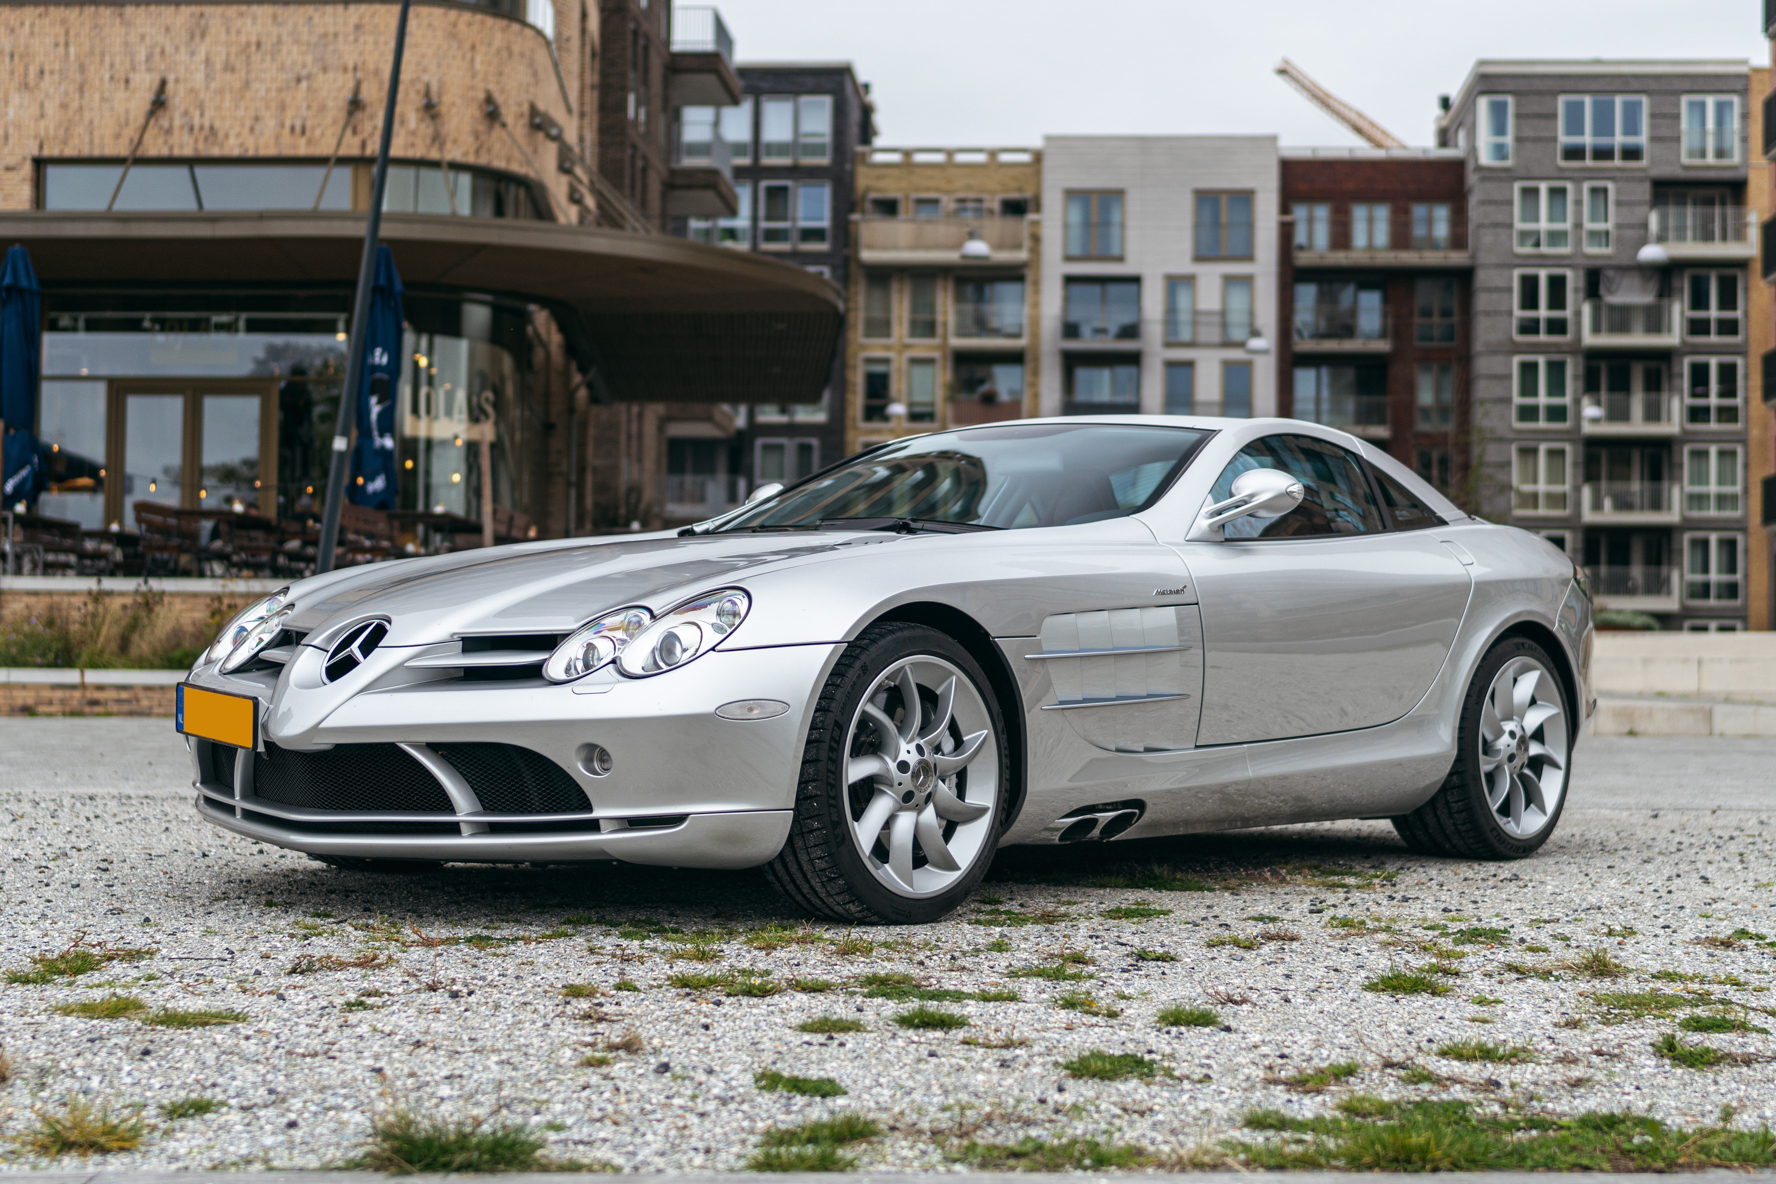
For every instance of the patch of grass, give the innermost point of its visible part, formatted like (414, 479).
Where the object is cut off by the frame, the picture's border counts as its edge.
(624, 984)
(81, 1129)
(998, 945)
(1597, 963)
(1485, 1001)
(1313, 1081)
(596, 1060)
(1032, 1154)
(813, 1146)
(1536, 949)
(853, 947)
(315, 963)
(811, 986)
(1619, 931)
(167, 1017)
(1155, 956)
(1419, 1075)
(776, 937)
(1081, 1001)
(1407, 982)
(80, 957)
(402, 1143)
(1629, 1005)
(1187, 1017)
(358, 1005)
(932, 1018)
(995, 1041)
(825, 1025)
(1479, 1051)
(579, 919)
(1478, 935)
(192, 1107)
(1264, 918)
(1277, 933)
(111, 1007)
(1691, 1056)
(1099, 1065)
(1001, 918)
(998, 995)
(581, 991)
(1720, 1023)
(1140, 911)
(697, 952)
(1058, 972)
(772, 1081)
(1232, 939)
(752, 985)
(1529, 970)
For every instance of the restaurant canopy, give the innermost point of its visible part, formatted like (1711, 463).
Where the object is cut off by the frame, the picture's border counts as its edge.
(659, 318)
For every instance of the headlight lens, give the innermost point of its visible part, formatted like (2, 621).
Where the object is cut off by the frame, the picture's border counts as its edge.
(255, 638)
(688, 631)
(236, 631)
(595, 645)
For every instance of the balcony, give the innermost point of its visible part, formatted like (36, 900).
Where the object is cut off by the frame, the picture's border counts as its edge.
(701, 68)
(701, 182)
(1414, 258)
(697, 496)
(1360, 415)
(1632, 415)
(1650, 589)
(1209, 326)
(1629, 503)
(1655, 326)
(968, 412)
(1342, 330)
(937, 242)
(1704, 233)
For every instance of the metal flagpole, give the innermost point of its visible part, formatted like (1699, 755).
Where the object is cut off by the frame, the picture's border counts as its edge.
(354, 364)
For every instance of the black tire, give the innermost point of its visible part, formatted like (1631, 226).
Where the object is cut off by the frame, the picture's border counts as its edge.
(820, 867)
(353, 863)
(1458, 821)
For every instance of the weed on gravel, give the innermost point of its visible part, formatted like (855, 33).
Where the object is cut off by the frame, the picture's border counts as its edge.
(1480, 1052)
(1099, 1065)
(1187, 1017)
(316, 963)
(1139, 911)
(1154, 956)
(1313, 1081)
(1598, 963)
(1407, 982)
(172, 1018)
(1082, 1001)
(827, 1025)
(402, 1143)
(1720, 1023)
(192, 1107)
(813, 1146)
(1621, 1006)
(904, 988)
(1031, 1154)
(77, 959)
(930, 1018)
(1698, 1056)
(81, 1129)
(111, 1007)
(5, 1067)
(1372, 1134)
(772, 1081)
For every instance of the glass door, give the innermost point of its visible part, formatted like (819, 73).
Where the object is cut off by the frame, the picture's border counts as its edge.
(153, 452)
(192, 445)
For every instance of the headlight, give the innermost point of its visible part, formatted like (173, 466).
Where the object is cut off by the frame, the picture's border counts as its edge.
(1583, 581)
(235, 632)
(688, 631)
(595, 645)
(255, 639)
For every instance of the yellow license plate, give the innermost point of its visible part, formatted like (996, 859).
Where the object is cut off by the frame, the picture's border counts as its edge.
(226, 719)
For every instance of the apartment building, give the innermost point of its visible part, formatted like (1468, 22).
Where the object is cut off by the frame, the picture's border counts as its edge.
(1373, 295)
(1607, 207)
(944, 329)
(1159, 275)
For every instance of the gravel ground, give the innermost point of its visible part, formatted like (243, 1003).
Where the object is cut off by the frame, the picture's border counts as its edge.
(456, 1005)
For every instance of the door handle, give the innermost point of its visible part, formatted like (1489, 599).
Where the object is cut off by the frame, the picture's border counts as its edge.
(1461, 552)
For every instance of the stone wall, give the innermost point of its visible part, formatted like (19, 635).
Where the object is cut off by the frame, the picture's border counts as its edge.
(39, 699)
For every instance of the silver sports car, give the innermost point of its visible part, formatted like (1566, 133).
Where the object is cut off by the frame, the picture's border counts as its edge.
(1041, 631)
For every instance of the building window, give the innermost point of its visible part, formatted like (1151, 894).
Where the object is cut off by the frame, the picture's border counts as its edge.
(1711, 129)
(921, 380)
(1435, 403)
(1711, 480)
(1434, 320)
(1095, 386)
(1180, 309)
(973, 208)
(1014, 207)
(1544, 396)
(1313, 226)
(1430, 226)
(927, 208)
(1711, 568)
(1711, 306)
(1432, 465)
(1236, 389)
(1544, 217)
(988, 379)
(1237, 324)
(729, 232)
(736, 129)
(1599, 217)
(1224, 226)
(776, 221)
(878, 389)
(792, 214)
(1495, 118)
(1560, 538)
(878, 306)
(1544, 304)
(1602, 129)
(786, 460)
(921, 307)
(1180, 389)
(814, 128)
(1340, 310)
(1094, 225)
(1342, 396)
(990, 308)
(1540, 480)
(813, 213)
(1369, 226)
(777, 135)
(1714, 626)
(1712, 394)
(884, 207)
(1102, 310)
(1617, 386)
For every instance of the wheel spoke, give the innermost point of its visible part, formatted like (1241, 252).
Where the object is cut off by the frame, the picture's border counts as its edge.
(940, 719)
(900, 847)
(1491, 727)
(1550, 758)
(1538, 715)
(953, 808)
(884, 725)
(1516, 803)
(1523, 692)
(866, 768)
(971, 746)
(875, 817)
(932, 843)
(1532, 791)
(1501, 701)
(910, 707)
(1488, 761)
(1498, 786)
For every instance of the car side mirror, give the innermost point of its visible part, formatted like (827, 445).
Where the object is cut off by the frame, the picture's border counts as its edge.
(1270, 492)
(768, 489)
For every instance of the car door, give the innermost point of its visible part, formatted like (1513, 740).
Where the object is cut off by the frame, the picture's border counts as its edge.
(1327, 618)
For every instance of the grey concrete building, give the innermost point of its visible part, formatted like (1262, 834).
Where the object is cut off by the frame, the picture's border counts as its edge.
(1610, 329)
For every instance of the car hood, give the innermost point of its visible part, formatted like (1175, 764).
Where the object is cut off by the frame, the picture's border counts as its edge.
(551, 587)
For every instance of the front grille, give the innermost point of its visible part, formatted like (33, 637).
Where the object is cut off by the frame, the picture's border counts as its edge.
(349, 777)
(222, 764)
(540, 644)
(513, 780)
(354, 828)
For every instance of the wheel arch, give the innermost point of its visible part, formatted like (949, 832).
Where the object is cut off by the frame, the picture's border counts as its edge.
(1545, 637)
(972, 636)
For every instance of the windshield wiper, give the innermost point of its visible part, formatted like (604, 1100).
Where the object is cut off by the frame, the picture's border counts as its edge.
(903, 525)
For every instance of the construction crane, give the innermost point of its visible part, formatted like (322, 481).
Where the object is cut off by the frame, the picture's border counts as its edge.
(1336, 107)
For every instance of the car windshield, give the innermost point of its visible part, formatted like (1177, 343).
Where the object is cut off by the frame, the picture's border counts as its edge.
(1000, 477)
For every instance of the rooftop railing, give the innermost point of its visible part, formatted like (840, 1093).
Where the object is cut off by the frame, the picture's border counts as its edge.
(698, 28)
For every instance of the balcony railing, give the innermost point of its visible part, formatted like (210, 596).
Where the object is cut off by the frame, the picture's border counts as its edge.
(1623, 501)
(1699, 224)
(700, 146)
(699, 29)
(1631, 414)
(1630, 326)
(944, 237)
(689, 495)
(1634, 586)
(1209, 326)
(1361, 414)
(988, 320)
(1336, 327)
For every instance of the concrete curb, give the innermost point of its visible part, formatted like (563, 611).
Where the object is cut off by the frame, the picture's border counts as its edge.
(56, 676)
(1682, 717)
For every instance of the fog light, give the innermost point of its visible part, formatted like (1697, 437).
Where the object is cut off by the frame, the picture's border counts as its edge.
(595, 760)
(752, 709)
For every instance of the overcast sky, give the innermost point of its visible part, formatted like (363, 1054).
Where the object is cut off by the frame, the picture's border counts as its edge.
(993, 73)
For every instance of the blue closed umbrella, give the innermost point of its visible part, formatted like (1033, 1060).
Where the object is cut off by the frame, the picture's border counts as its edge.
(373, 480)
(20, 356)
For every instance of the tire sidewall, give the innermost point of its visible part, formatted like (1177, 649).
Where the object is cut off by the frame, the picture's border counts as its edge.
(883, 647)
(1508, 846)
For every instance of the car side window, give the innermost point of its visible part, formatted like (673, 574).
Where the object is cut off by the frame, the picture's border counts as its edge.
(1337, 500)
(1404, 506)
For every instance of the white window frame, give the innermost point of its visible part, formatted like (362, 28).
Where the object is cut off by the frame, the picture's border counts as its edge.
(1713, 314)
(1431, 211)
(1713, 404)
(1710, 129)
(1543, 235)
(811, 148)
(785, 228)
(739, 116)
(970, 205)
(937, 399)
(864, 365)
(1728, 625)
(914, 283)
(791, 446)
(1434, 399)
(1597, 238)
(1711, 499)
(1540, 313)
(1313, 225)
(1560, 538)
(1486, 143)
(1562, 139)
(1543, 405)
(811, 235)
(765, 104)
(863, 321)
(1709, 580)
(1364, 215)
(1547, 499)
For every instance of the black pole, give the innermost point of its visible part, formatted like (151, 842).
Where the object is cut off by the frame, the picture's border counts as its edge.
(354, 363)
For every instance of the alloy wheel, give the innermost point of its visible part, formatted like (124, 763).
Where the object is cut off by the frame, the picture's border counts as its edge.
(1523, 747)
